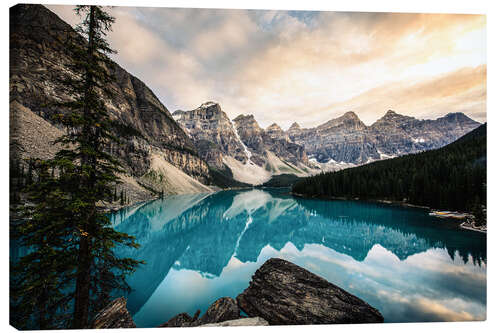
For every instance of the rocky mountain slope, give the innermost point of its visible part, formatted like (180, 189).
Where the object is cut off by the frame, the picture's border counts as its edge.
(213, 133)
(39, 60)
(240, 147)
(271, 148)
(347, 141)
(187, 151)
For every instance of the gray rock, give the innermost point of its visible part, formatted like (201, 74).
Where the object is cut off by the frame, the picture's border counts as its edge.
(255, 321)
(213, 133)
(276, 133)
(273, 139)
(115, 315)
(223, 309)
(285, 294)
(180, 320)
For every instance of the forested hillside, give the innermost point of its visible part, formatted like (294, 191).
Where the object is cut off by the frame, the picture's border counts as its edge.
(452, 177)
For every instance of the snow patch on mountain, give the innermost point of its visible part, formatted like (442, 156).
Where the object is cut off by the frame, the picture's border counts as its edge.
(330, 165)
(245, 148)
(385, 156)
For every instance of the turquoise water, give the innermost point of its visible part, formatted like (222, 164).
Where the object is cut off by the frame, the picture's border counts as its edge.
(410, 266)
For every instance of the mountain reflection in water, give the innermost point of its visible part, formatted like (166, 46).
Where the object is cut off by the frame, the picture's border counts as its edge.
(200, 247)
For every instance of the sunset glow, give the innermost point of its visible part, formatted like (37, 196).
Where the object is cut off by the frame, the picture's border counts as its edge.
(312, 65)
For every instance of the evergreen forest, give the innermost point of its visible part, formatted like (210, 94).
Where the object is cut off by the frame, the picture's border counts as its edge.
(452, 177)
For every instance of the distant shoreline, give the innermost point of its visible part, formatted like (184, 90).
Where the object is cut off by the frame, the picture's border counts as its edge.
(387, 202)
(464, 225)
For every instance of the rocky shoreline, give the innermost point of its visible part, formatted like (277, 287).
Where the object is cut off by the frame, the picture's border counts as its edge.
(280, 293)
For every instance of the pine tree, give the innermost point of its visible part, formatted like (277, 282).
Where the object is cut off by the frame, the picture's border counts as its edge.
(70, 239)
(40, 278)
(97, 173)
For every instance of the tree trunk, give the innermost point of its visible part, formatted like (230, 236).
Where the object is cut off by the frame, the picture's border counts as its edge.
(82, 294)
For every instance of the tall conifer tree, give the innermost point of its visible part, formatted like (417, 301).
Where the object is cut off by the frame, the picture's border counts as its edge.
(70, 226)
(97, 173)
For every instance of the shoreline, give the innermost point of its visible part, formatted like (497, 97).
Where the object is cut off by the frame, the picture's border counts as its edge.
(469, 226)
(111, 208)
(387, 202)
(464, 225)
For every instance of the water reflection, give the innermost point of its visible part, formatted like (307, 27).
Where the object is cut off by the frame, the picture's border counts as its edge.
(201, 247)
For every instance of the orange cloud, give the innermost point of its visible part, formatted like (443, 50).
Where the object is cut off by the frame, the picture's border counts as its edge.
(282, 68)
(463, 90)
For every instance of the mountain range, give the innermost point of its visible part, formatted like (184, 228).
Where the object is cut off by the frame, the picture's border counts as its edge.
(254, 154)
(195, 150)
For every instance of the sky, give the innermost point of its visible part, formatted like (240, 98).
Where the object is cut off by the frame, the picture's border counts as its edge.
(302, 66)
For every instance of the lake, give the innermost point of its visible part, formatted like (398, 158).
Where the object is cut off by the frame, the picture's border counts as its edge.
(200, 247)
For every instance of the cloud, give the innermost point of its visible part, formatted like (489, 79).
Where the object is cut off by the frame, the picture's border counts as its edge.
(463, 90)
(285, 66)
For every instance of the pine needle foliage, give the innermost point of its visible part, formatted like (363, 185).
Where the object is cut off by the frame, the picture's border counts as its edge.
(71, 271)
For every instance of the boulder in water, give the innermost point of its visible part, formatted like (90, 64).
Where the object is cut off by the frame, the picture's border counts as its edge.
(283, 293)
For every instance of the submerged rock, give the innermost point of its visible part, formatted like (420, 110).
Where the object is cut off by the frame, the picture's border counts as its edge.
(114, 315)
(255, 321)
(285, 294)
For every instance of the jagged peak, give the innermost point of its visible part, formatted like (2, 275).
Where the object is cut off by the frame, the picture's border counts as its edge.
(350, 114)
(208, 104)
(391, 115)
(458, 116)
(247, 121)
(274, 127)
(244, 117)
(349, 118)
(295, 125)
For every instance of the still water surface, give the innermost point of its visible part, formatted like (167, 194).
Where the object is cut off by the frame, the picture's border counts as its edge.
(200, 247)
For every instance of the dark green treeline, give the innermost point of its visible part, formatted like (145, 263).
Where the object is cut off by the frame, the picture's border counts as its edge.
(452, 177)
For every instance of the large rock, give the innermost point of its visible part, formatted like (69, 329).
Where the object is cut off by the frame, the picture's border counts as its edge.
(255, 321)
(223, 309)
(181, 320)
(285, 294)
(115, 315)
